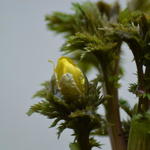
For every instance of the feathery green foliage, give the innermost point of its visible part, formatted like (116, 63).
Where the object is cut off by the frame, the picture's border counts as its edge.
(94, 33)
(74, 114)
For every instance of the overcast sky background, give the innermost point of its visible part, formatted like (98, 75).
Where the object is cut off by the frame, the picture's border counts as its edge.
(25, 47)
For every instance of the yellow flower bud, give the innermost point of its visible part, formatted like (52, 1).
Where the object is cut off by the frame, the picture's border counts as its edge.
(69, 77)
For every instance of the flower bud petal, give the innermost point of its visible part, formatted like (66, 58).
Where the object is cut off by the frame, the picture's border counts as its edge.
(69, 75)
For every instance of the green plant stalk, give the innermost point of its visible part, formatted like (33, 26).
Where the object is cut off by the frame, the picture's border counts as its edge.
(139, 137)
(83, 141)
(113, 117)
(82, 136)
(82, 132)
(143, 104)
(115, 131)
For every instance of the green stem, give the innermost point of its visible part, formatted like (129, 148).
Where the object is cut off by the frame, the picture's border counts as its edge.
(83, 140)
(147, 85)
(136, 50)
(113, 117)
(112, 105)
(139, 138)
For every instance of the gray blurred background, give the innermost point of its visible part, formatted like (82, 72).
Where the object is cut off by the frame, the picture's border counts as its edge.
(25, 47)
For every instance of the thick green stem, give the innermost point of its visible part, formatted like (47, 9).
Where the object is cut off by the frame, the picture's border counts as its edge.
(112, 113)
(83, 140)
(139, 138)
(112, 106)
(136, 50)
(113, 117)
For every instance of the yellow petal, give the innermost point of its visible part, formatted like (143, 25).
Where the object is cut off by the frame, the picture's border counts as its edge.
(66, 65)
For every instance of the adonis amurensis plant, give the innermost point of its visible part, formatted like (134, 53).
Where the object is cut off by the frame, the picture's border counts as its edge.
(94, 33)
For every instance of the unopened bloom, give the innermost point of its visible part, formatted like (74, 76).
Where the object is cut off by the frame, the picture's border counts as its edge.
(70, 78)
